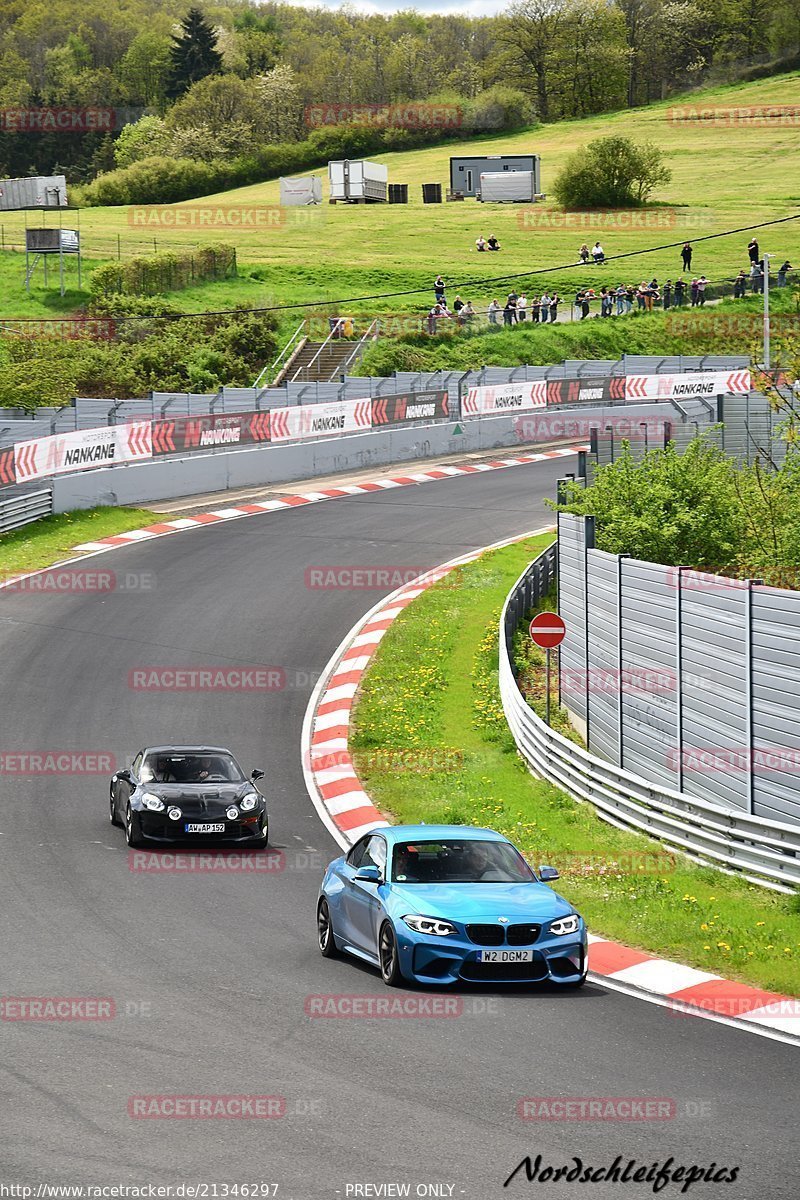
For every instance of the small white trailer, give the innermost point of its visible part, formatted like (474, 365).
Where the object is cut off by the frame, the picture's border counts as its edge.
(358, 181)
(507, 187)
(300, 191)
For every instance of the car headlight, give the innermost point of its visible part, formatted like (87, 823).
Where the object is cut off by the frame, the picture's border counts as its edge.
(565, 925)
(232, 812)
(154, 803)
(429, 925)
(174, 814)
(249, 801)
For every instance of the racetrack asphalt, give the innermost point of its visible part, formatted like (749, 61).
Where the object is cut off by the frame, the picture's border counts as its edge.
(211, 972)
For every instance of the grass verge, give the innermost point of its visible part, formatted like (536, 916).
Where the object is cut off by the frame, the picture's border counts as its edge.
(431, 744)
(48, 541)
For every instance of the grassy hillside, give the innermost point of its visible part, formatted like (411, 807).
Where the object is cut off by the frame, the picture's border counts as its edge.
(723, 176)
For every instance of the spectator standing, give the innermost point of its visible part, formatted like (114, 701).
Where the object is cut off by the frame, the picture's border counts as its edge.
(666, 295)
(630, 292)
(584, 253)
(739, 285)
(598, 253)
(782, 272)
(641, 293)
(433, 318)
(756, 278)
(555, 300)
(605, 302)
(686, 256)
(702, 284)
(694, 293)
(544, 306)
(680, 292)
(510, 312)
(439, 288)
(752, 250)
(467, 313)
(493, 310)
(620, 294)
(534, 309)
(522, 306)
(458, 304)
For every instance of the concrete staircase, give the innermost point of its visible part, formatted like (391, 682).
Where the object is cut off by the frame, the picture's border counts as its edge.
(317, 362)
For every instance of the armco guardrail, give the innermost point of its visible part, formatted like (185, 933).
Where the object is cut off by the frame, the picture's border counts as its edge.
(765, 852)
(22, 508)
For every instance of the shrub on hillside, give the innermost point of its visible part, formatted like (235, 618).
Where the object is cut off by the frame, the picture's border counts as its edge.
(612, 172)
(150, 276)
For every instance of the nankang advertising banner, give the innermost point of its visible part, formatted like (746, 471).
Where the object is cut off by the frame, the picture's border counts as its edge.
(686, 386)
(209, 432)
(503, 398)
(85, 448)
(320, 420)
(403, 407)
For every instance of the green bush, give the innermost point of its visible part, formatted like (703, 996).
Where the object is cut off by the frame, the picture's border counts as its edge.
(143, 276)
(610, 172)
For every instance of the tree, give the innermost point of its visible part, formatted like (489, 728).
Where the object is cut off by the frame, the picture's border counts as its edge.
(611, 172)
(146, 137)
(194, 53)
(531, 29)
(280, 108)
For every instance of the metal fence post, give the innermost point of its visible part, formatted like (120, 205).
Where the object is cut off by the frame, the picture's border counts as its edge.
(748, 683)
(620, 738)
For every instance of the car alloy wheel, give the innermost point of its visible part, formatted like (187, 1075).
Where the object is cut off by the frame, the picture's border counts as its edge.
(131, 837)
(327, 942)
(112, 811)
(389, 958)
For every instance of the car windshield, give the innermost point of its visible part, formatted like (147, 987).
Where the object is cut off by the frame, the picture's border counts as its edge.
(458, 860)
(184, 767)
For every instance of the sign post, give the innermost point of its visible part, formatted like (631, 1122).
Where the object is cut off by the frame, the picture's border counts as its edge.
(547, 631)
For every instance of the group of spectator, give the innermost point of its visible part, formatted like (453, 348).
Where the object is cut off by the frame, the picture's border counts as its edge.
(614, 301)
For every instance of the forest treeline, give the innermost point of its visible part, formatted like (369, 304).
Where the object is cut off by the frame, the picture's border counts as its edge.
(552, 59)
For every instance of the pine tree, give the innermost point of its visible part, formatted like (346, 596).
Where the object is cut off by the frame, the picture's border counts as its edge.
(194, 53)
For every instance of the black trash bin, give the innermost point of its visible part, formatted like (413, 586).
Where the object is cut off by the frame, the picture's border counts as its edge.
(398, 193)
(431, 193)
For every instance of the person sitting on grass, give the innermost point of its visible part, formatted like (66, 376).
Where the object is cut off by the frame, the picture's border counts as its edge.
(598, 253)
(492, 243)
(584, 253)
(480, 243)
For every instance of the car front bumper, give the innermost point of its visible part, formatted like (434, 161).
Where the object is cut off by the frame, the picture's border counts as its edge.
(455, 958)
(157, 827)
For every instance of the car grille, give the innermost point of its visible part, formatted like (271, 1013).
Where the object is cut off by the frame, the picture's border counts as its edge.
(530, 971)
(486, 935)
(496, 935)
(522, 935)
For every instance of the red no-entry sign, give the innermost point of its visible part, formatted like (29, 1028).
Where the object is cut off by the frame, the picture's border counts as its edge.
(547, 630)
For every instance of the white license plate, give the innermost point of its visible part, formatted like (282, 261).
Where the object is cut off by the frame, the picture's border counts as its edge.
(505, 956)
(204, 828)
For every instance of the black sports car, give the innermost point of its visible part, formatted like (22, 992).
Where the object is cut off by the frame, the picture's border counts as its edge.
(186, 794)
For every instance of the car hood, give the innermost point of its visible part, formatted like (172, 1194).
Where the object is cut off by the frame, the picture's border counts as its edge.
(479, 902)
(226, 793)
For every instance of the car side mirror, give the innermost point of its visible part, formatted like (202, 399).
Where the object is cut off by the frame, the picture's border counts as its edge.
(126, 775)
(256, 774)
(368, 875)
(547, 874)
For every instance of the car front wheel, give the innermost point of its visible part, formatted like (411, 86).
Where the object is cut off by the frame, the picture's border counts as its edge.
(389, 957)
(112, 811)
(132, 836)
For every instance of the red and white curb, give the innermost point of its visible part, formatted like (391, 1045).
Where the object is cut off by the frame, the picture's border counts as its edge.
(347, 811)
(179, 524)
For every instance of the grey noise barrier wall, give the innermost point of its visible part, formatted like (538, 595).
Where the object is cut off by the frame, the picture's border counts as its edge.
(170, 478)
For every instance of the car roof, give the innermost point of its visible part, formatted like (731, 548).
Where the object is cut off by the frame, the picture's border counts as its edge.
(187, 750)
(437, 833)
